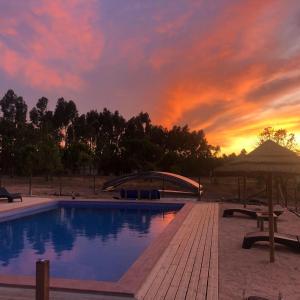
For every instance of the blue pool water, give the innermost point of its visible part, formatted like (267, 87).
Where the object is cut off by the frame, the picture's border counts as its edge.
(81, 242)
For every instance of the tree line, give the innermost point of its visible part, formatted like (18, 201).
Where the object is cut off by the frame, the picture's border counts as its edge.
(64, 141)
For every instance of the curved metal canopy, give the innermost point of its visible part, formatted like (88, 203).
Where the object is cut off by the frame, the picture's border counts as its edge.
(182, 181)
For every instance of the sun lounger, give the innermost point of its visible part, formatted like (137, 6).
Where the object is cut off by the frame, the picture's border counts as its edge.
(122, 193)
(145, 194)
(230, 211)
(251, 213)
(10, 197)
(155, 194)
(142, 194)
(291, 241)
(131, 194)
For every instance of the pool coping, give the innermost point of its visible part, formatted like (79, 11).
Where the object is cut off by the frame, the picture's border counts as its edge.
(131, 281)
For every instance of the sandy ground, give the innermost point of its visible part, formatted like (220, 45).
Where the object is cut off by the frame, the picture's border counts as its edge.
(244, 272)
(247, 272)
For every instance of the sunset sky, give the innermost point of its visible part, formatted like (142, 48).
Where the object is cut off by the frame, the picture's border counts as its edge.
(230, 67)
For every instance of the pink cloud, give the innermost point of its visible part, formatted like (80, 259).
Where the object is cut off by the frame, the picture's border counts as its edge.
(238, 60)
(59, 45)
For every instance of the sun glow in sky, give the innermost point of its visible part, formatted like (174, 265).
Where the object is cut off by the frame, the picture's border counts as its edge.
(229, 67)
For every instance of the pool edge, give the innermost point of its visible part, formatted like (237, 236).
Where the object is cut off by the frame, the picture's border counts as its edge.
(133, 278)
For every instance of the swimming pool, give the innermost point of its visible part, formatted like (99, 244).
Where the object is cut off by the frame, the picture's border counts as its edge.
(82, 240)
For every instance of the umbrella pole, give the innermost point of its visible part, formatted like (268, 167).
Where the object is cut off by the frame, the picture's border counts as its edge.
(296, 195)
(239, 189)
(277, 191)
(271, 219)
(244, 190)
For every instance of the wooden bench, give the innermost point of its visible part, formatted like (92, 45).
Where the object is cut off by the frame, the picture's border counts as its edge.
(249, 212)
(230, 211)
(291, 241)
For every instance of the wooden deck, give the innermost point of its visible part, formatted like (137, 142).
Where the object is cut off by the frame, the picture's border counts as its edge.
(188, 269)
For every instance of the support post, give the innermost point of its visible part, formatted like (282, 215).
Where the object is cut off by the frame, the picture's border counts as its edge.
(271, 218)
(42, 280)
(94, 184)
(277, 191)
(285, 193)
(239, 188)
(30, 185)
(281, 194)
(296, 206)
(244, 190)
(60, 185)
(199, 189)
(267, 184)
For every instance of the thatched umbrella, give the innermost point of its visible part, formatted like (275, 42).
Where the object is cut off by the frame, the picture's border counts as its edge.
(267, 159)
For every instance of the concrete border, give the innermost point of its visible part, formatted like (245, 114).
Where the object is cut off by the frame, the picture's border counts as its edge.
(134, 277)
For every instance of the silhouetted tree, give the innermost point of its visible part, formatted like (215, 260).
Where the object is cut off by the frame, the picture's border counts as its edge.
(48, 157)
(279, 136)
(77, 156)
(64, 141)
(14, 108)
(64, 116)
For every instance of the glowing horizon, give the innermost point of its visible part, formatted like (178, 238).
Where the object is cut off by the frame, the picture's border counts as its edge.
(230, 68)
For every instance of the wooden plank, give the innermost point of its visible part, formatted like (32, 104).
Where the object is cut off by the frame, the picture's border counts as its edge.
(193, 284)
(165, 275)
(167, 256)
(184, 269)
(188, 269)
(213, 278)
(187, 255)
(186, 278)
(202, 285)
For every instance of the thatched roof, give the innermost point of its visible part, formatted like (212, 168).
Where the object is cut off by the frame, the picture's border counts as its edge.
(268, 157)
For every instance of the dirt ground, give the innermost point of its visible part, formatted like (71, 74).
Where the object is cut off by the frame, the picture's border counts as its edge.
(85, 187)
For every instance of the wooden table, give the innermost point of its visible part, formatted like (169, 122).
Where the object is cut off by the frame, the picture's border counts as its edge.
(264, 216)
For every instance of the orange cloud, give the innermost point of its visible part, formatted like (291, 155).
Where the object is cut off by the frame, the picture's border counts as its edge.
(232, 62)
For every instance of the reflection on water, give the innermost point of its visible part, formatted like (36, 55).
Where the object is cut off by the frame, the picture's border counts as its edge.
(81, 243)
